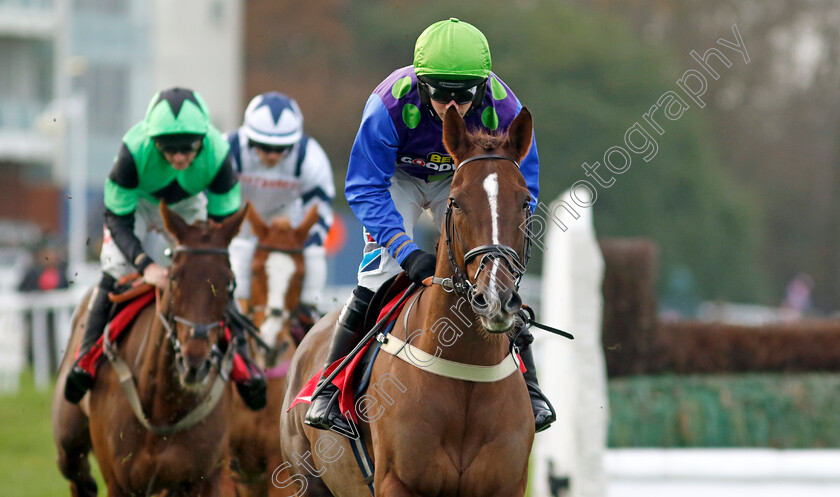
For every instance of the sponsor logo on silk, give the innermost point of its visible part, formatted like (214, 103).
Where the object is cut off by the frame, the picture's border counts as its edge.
(434, 161)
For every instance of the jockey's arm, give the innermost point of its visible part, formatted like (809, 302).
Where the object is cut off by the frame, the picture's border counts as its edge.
(317, 188)
(224, 196)
(530, 169)
(372, 164)
(120, 202)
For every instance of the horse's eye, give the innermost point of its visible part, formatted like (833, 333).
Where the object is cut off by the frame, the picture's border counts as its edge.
(454, 204)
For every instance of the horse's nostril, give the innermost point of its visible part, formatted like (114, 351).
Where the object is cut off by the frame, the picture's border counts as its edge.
(479, 302)
(514, 303)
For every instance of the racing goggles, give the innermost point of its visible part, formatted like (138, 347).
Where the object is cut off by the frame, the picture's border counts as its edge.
(185, 143)
(462, 92)
(270, 149)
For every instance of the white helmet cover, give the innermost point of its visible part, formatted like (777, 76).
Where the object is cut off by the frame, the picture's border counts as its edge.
(274, 119)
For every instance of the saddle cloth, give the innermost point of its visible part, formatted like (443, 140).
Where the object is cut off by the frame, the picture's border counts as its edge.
(352, 380)
(118, 324)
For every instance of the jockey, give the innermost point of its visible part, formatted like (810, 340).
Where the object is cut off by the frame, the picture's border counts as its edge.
(174, 155)
(282, 171)
(399, 167)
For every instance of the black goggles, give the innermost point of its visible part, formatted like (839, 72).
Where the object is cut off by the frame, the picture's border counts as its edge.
(168, 146)
(445, 95)
(270, 149)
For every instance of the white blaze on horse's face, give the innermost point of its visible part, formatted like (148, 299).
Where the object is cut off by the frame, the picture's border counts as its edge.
(491, 186)
(491, 315)
(279, 269)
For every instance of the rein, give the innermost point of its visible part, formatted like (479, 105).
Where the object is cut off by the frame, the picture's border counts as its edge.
(222, 363)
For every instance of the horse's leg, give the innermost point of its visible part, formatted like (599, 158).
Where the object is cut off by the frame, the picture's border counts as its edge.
(275, 461)
(227, 484)
(391, 486)
(248, 486)
(75, 467)
(71, 428)
(114, 489)
(207, 487)
(72, 440)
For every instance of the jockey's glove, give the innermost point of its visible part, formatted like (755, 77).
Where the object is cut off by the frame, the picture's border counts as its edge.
(419, 265)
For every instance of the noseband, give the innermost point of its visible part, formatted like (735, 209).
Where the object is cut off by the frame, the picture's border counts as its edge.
(461, 283)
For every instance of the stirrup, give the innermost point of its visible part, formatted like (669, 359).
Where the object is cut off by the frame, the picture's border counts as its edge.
(325, 414)
(544, 413)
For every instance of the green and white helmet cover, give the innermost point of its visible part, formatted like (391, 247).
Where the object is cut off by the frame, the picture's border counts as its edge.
(454, 49)
(176, 111)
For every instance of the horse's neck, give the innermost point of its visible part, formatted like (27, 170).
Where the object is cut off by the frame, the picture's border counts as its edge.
(158, 380)
(449, 324)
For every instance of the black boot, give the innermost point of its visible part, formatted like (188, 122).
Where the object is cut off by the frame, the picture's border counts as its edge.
(250, 382)
(253, 388)
(324, 413)
(544, 413)
(80, 378)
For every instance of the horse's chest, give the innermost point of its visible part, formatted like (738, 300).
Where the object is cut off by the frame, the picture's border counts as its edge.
(170, 465)
(452, 448)
(466, 463)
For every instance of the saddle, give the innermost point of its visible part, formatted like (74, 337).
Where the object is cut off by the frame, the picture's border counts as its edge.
(129, 299)
(354, 379)
(128, 288)
(382, 302)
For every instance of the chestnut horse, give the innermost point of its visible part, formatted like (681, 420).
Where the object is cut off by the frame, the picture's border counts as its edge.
(172, 360)
(278, 271)
(448, 413)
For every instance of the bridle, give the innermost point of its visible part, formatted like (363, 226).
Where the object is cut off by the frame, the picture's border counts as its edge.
(223, 362)
(197, 330)
(460, 282)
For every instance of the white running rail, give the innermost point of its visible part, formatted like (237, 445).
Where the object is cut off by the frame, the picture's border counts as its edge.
(56, 306)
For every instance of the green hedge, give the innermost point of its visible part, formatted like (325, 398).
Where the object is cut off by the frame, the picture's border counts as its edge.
(792, 411)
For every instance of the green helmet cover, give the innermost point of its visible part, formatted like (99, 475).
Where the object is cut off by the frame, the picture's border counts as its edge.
(453, 49)
(176, 111)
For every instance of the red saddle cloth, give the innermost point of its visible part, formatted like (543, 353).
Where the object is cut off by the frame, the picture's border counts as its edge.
(344, 379)
(119, 324)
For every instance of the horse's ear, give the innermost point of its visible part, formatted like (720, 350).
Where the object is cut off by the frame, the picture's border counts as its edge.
(309, 220)
(231, 224)
(454, 133)
(258, 226)
(520, 134)
(174, 223)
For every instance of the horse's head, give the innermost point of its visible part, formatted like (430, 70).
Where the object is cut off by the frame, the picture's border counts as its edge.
(489, 203)
(278, 270)
(200, 280)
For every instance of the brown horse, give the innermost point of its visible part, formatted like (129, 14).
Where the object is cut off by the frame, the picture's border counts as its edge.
(278, 271)
(435, 424)
(171, 352)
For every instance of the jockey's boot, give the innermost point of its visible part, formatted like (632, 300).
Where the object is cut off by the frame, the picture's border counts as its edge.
(80, 379)
(247, 375)
(324, 412)
(544, 413)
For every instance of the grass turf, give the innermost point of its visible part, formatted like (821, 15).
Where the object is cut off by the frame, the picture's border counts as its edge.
(27, 452)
